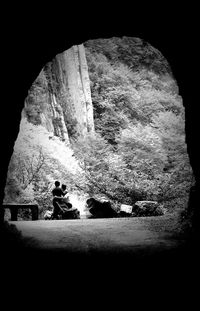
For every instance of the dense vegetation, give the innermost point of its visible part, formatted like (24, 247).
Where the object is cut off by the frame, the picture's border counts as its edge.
(138, 151)
(36, 163)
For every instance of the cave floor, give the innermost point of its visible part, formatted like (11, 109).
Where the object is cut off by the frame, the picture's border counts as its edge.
(142, 235)
(137, 246)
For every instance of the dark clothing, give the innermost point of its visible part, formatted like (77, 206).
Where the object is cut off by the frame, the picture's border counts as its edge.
(57, 191)
(60, 207)
(56, 209)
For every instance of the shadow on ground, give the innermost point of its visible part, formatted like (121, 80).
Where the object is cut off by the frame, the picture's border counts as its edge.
(22, 253)
(143, 275)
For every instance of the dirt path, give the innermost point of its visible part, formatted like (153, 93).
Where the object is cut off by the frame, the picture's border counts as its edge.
(90, 235)
(95, 249)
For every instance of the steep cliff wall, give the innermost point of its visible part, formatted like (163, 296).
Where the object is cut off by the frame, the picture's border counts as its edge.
(57, 109)
(122, 89)
(60, 97)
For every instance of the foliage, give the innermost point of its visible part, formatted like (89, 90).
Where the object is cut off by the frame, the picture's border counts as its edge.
(106, 172)
(25, 179)
(140, 116)
(171, 130)
(123, 94)
(138, 151)
(133, 52)
(36, 99)
(35, 165)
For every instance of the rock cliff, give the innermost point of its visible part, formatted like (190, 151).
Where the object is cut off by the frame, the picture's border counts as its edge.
(60, 97)
(122, 91)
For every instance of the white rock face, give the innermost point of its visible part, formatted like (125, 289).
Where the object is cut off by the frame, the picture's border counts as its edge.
(58, 105)
(60, 97)
(76, 88)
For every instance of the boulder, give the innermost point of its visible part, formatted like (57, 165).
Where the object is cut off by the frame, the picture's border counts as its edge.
(100, 209)
(125, 210)
(147, 208)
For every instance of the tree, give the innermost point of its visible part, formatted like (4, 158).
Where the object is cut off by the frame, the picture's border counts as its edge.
(171, 130)
(141, 149)
(138, 111)
(105, 171)
(26, 179)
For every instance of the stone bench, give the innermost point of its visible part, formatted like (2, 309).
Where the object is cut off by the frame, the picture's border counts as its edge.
(14, 207)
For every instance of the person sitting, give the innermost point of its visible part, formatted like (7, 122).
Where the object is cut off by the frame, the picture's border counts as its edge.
(70, 212)
(65, 196)
(61, 204)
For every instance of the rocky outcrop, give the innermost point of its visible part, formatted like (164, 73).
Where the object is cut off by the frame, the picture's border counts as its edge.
(60, 97)
(139, 151)
(75, 87)
(141, 209)
(100, 209)
(147, 208)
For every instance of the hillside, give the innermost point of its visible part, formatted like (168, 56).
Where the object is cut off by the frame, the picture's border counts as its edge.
(106, 118)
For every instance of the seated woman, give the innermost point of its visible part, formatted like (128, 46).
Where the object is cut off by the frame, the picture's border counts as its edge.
(62, 207)
(69, 212)
(65, 196)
